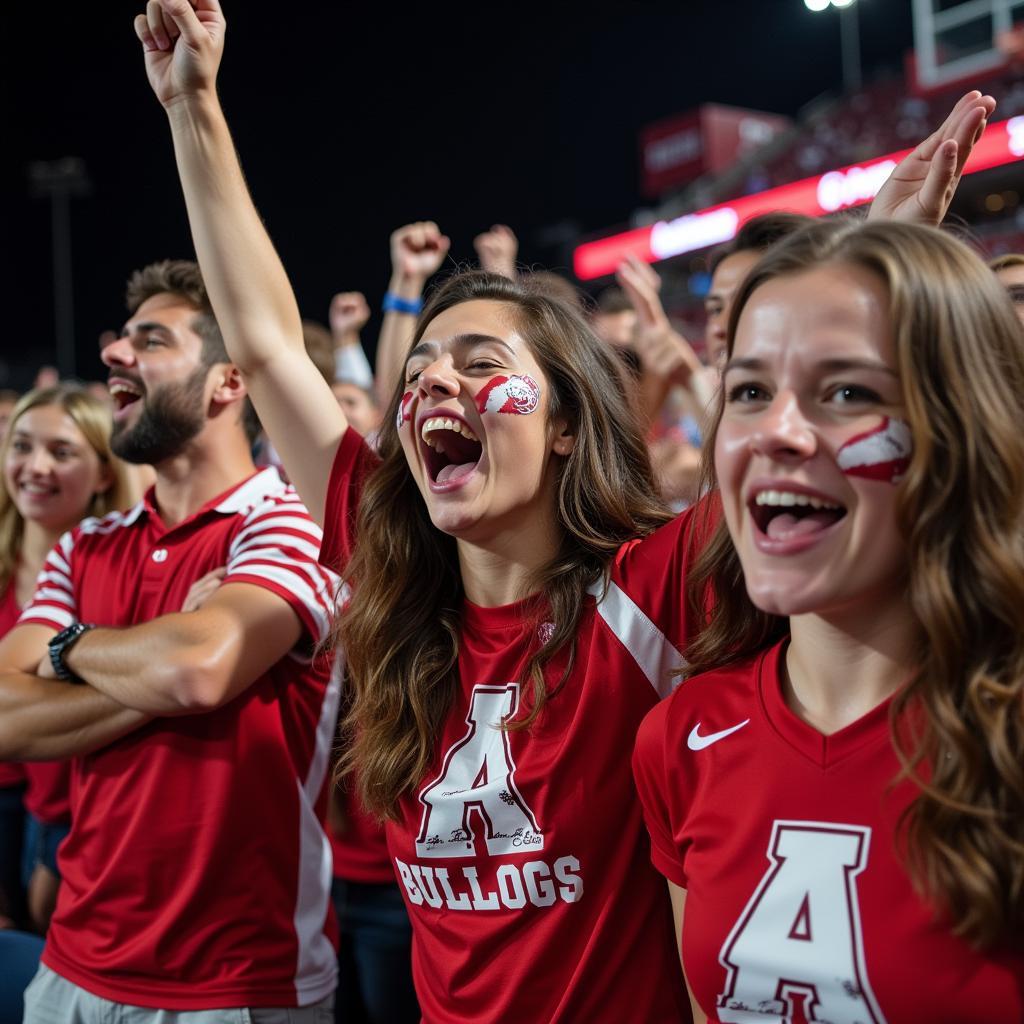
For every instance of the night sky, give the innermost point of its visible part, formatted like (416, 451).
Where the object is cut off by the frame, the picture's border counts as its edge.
(349, 125)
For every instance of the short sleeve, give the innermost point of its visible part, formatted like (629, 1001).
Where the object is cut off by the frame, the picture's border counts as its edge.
(354, 461)
(278, 548)
(653, 785)
(53, 603)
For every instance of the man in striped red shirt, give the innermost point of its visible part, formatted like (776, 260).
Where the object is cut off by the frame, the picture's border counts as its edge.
(197, 873)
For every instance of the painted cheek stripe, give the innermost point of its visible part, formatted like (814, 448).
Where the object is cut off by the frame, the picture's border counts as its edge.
(404, 410)
(517, 395)
(881, 454)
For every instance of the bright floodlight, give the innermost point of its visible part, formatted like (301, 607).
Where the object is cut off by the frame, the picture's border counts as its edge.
(816, 5)
(842, 3)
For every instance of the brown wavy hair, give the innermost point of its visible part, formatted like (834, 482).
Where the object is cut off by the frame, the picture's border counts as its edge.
(93, 419)
(958, 725)
(400, 632)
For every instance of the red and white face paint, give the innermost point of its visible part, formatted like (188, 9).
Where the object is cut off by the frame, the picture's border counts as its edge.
(404, 410)
(516, 395)
(881, 454)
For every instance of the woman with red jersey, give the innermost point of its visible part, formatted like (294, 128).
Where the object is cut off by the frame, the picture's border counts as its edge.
(57, 469)
(517, 599)
(839, 803)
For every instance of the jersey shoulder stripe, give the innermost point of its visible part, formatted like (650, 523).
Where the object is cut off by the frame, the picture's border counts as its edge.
(652, 651)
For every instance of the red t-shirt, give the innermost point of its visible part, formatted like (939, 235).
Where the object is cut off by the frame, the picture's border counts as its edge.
(12, 773)
(359, 846)
(48, 796)
(522, 855)
(197, 871)
(797, 904)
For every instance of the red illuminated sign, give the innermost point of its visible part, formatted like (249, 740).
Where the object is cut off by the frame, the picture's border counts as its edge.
(842, 189)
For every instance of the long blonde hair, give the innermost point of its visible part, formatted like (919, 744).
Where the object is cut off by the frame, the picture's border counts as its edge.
(958, 726)
(93, 419)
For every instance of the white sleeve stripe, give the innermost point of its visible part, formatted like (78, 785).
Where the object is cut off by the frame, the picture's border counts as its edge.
(304, 549)
(45, 594)
(292, 527)
(46, 613)
(319, 579)
(52, 576)
(296, 513)
(66, 544)
(299, 589)
(58, 563)
(650, 648)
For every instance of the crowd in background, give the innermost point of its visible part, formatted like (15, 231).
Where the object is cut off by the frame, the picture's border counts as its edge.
(639, 522)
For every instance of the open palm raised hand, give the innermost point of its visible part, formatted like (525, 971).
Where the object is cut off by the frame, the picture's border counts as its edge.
(183, 42)
(921, 188)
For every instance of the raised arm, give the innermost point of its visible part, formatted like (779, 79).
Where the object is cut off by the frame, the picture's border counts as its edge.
(417, 252)
(666, 357)
(253, 301)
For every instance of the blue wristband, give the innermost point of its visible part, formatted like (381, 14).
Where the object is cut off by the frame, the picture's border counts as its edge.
(396, 304)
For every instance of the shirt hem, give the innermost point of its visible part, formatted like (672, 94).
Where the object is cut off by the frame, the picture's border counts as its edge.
(192, 996)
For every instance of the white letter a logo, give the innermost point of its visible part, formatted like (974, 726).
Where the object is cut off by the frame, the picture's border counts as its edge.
(477, 787)
(800, 933)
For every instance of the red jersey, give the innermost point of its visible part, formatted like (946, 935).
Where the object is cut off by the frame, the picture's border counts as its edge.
(522, 855)
(797, 905)
(11, 772)
(197, 872)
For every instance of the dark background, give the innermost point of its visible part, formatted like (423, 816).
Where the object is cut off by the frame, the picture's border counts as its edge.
(350, 123)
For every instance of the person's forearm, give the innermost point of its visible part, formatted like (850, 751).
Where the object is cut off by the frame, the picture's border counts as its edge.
(395, 334)
(248, 286)
(157, 667)
(45, 719)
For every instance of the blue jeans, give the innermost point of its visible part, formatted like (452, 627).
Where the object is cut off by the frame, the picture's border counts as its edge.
(374, 956)
(41, 842)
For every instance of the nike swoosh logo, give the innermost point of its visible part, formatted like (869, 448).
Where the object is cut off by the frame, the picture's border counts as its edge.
(697, 742)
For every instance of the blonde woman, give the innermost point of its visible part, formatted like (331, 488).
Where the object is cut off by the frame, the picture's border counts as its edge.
(57, 470)
(837, 802)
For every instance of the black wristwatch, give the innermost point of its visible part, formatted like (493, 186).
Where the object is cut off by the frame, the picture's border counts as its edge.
(60, 645)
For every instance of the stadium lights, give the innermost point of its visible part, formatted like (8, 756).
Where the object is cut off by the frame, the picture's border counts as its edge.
(850, 34)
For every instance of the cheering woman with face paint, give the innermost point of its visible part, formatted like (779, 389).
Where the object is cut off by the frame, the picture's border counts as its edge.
(840, 809)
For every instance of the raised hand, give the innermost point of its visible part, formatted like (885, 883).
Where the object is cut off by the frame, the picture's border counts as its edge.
(923, 184)
(183, 42)
(497, 250)
(348, 315)
(418, 250)
(663, 351)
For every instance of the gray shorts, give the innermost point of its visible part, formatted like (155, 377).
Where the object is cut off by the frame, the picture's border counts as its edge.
(51, 999)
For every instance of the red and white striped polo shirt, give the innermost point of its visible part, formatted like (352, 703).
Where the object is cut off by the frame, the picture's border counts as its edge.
(197, 872)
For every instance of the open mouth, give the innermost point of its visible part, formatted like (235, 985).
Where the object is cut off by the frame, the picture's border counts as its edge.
(123, 394)
(451, 450)
(783, 515)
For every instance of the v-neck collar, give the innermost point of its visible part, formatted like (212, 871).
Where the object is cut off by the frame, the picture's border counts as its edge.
(824, 751)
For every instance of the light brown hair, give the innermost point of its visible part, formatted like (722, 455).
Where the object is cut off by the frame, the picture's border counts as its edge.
(92, 417)
(958, 725)
(401, 631)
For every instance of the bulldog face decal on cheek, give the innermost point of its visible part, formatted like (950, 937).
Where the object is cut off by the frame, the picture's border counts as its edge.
(517, 395)
(881, 454)
(404, 410)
